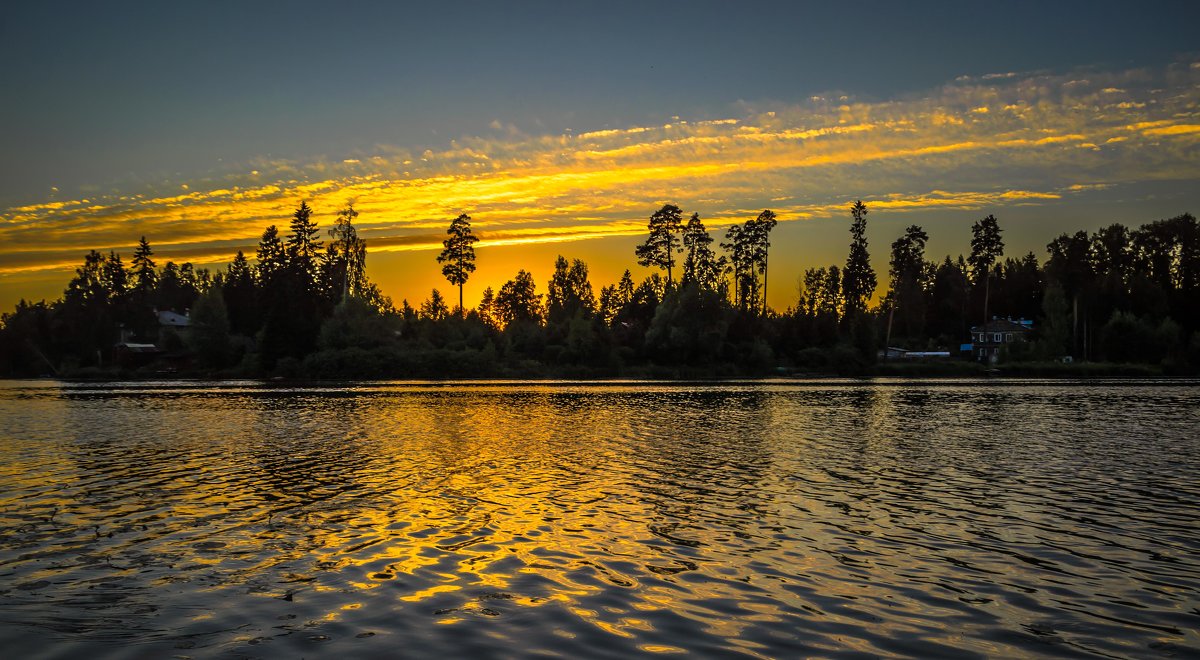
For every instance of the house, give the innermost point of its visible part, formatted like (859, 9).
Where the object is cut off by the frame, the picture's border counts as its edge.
(171, 325)
(169, 319)
(989, 338)
(130, 355)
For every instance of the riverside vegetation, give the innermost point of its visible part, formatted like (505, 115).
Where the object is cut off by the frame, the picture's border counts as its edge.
(1120, 301)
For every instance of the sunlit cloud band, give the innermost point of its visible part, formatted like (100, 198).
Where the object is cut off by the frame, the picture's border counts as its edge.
(976, 143)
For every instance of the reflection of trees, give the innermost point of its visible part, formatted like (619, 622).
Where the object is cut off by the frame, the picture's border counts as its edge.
(703, 459)
(307, 448)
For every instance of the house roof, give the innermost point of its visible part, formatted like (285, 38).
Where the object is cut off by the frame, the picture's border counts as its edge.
(131, 347)
(169, 318)
(1004, 325)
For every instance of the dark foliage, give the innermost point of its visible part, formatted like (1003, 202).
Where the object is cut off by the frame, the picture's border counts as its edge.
(1117, 295)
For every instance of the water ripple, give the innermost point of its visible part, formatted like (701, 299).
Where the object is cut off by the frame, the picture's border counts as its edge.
(500, 519)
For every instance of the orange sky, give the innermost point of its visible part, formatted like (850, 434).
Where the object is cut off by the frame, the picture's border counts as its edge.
(1037, 150)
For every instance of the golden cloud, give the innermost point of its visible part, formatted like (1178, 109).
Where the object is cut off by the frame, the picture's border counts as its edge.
(975, 142)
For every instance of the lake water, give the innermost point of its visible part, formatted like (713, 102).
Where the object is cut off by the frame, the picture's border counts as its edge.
(767, 519)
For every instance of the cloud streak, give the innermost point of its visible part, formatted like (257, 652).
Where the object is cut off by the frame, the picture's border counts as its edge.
(986, 142)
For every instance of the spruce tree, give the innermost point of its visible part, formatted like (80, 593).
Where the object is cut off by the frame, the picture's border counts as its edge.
(858, 278)
(145, 278)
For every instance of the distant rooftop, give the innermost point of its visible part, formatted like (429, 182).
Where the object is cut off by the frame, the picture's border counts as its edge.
(173, 319)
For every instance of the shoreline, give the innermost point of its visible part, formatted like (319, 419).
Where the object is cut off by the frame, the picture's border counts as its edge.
(1024, 372)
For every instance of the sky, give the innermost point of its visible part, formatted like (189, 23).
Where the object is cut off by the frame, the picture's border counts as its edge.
(560, 127)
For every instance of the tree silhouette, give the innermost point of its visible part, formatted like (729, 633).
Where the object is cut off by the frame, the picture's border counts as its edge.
(346, 260)
(569, 292)
(458, 255)
(86, 323)
(625, 288)
(858, 278)
(240, 296)
(748, 246)
(986, 247)
(176, 288)
(210, 329)
(761, 233)
(909, 279)
(661, 245)
(87, 287)
(950, 295)
(1070, 265)
(487, 308)
(739, 244)
(272, 259)
(518, 300)
(701, 265)
(822, 302)
(145, 278)
(303, 249)
(115, 280)
(289, 290)
(609, 304)
(1134, 293)
(435, 308)
(1168, 253)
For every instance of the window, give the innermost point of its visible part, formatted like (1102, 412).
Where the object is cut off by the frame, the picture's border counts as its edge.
(996, 337)
(1008, 337)
(982, 337)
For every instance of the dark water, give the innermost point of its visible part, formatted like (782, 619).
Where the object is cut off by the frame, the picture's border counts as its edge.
(452, 520)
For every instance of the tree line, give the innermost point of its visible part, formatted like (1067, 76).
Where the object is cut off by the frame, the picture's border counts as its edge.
(305, 307)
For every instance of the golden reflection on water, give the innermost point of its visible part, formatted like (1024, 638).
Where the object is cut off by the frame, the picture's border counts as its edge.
(761, 519)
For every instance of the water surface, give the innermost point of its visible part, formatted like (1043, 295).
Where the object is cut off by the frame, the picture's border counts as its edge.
(768, 519)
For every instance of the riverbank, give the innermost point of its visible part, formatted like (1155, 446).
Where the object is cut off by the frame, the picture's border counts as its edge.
(453, 366)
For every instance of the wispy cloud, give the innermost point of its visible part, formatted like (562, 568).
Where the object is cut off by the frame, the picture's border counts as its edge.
(980, 142)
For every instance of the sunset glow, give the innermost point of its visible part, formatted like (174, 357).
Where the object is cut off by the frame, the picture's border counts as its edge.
(599, 329)
(987, 143)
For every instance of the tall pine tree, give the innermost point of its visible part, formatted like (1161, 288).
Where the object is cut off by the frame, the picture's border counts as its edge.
(458, 256)
(661, 245)
(858, 278)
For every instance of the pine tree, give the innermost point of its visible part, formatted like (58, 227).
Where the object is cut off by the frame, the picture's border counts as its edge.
(761, 236)
(700, 265)
(625, 288)
(145, 278)
(609, 305)
(345, 263)
(115, 280)
(661, 245)
(858, 278)
(240, 297)
(986, 247)
(487, 308)
(272, 259)
(303, 249)
(435, 308)
(908, 274)
(740, 246)
(458, 256)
